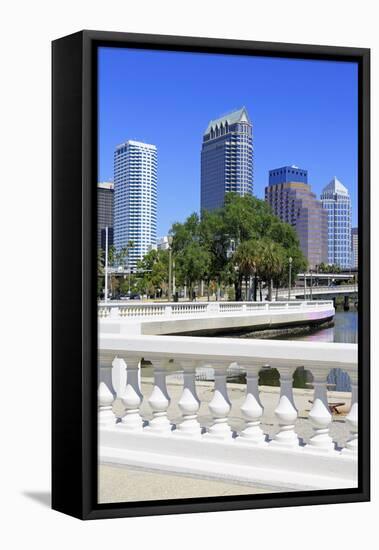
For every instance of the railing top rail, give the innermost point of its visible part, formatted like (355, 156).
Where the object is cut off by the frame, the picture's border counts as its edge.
(244, 352)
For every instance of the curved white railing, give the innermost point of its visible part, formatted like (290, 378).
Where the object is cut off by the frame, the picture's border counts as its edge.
(130, 309)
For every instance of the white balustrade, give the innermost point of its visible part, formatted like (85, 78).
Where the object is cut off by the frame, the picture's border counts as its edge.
(150, 309)
(184, 444)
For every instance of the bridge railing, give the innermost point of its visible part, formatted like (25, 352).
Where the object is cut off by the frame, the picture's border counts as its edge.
(156, 441)
(130, 309)
(296, 291)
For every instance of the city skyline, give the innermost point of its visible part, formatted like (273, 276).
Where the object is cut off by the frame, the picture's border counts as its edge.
(303, 113)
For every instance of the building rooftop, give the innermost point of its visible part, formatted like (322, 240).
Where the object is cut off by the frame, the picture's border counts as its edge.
(287, 174)
(106, 185)
(239, 115)
(138, 143)
(335, 187)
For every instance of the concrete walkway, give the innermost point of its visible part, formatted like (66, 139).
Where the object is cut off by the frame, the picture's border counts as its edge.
(120, 484)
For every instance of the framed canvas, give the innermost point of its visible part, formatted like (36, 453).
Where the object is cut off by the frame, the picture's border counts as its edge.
(211, 291)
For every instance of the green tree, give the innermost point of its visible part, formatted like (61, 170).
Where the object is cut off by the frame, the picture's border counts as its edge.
(273, 260)
(154, 273)
(244, 224)
(192, 264)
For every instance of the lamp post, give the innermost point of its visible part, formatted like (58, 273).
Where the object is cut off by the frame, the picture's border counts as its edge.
(106, 265)
(169, 239)
(311, 295)
(289, 277)
(305, 284)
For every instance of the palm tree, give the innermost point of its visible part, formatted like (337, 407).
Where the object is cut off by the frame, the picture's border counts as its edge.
(248, 258)
(272, 262)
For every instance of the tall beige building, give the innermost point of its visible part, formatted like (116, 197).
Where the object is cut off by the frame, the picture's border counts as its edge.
(292, 200)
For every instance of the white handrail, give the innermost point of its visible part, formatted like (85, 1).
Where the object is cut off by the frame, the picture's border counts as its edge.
(243, 351)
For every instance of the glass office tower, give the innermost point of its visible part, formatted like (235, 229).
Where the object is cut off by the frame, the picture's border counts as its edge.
(135, 199)
(105, 191)
(292, 200)
(336, 201)
(226, 158)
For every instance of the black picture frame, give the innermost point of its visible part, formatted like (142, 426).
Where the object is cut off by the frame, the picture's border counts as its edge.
(74, 332)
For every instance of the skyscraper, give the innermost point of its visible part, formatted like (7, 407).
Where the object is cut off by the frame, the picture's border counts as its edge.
(354, 247)
(291, 199)
(135, 199)
(336, 201)
(226, 158)
(105, 191)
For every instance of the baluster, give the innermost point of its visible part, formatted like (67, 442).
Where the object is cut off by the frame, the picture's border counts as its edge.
(119, 381)
(320, 416)
(351, 446)
(252, 409)
(354, 387)
(320, 419)
(105, 401)
(119, 376)
(220, 406)
(286, 383)
(132, 398)
(159, 399)
(286, 415)
(189, 403)
(320, 380)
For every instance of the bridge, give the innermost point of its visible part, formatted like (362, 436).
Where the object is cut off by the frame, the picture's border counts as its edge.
(209, 317)
(322, 292)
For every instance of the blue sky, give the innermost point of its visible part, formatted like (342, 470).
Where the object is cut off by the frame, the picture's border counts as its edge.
(303, 112)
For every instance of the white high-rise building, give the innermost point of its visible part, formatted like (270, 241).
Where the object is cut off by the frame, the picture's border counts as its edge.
(335, 199)
(354, 247)
(135, 199)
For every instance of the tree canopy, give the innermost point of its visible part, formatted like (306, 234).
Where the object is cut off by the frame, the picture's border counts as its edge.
(241, 239)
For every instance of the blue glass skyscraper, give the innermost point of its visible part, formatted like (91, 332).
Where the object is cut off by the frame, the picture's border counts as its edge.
(226, 158)
(336, 200)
